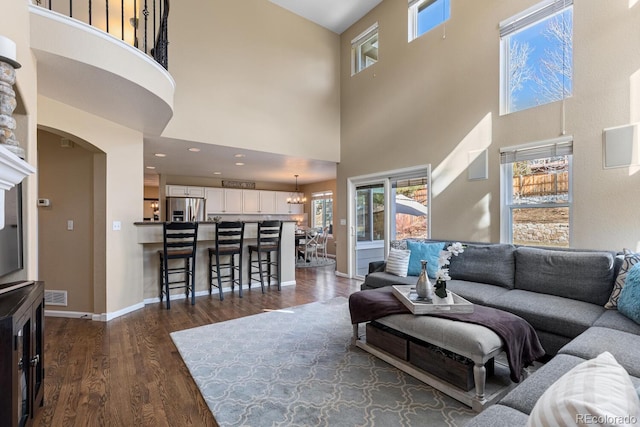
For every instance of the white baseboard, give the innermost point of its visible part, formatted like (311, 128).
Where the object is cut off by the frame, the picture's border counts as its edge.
(339, 274)
(69, 314)
(105, 317)
(180, 296)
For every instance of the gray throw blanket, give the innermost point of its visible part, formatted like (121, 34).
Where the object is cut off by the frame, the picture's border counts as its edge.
(520, 340)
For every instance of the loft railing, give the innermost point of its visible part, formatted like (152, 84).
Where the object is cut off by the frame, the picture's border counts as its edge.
(140, 23)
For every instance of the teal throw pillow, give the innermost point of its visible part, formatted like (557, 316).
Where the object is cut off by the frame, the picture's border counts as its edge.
(427, 251)
(629, 301)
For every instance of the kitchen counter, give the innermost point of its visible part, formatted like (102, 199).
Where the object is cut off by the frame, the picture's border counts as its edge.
(150, 236)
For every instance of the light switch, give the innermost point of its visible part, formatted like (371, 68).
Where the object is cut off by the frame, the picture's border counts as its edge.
(117, 225)
(70, 224)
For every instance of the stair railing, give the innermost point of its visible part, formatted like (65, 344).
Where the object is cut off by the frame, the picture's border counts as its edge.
(122, 19)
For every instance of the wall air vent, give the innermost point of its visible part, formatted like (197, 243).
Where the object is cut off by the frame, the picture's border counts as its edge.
(55, 298)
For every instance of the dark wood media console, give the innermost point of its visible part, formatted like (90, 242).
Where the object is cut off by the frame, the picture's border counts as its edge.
(21, 353)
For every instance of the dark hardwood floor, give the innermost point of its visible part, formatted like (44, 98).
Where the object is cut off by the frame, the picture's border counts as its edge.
(127, 372)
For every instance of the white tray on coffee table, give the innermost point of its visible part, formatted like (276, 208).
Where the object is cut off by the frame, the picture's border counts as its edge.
(407, 295)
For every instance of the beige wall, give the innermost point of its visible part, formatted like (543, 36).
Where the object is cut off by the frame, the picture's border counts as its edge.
(255, 76)
(123, 183)
(436, 99)
(65, 177)
(14, 24)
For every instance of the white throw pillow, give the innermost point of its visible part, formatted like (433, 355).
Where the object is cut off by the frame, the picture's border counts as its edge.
(596, 392)
(398, 262)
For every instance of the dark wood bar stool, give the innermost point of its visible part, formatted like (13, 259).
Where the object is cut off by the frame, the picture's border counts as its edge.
(179, 242)
(268, 241)
(229, 242)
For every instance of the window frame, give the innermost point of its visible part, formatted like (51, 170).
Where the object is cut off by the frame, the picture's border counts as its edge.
(537, 13)
(322, 197)
(415, 7)
(356, 48)
(541, 149)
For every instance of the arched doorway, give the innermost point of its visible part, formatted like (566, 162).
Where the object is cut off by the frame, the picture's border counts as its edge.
(71, 229)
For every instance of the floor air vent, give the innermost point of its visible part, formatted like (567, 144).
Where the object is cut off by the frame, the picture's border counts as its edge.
(55, 297)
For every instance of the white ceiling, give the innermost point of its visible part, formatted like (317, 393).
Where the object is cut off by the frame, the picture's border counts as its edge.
(335, 15)
(258, 166)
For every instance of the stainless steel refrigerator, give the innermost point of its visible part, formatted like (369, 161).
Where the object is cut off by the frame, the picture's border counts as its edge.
(185, 209)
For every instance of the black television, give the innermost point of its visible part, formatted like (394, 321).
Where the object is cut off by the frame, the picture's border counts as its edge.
(11, 254)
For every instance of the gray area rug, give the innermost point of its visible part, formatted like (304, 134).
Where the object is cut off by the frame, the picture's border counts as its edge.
(297, 367)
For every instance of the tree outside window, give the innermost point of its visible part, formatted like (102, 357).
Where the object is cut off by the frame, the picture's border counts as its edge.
(537, 56)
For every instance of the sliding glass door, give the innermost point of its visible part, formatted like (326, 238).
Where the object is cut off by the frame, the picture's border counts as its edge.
(386, 207)
(370, 220)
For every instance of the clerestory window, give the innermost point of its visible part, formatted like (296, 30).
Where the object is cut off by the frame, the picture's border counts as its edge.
(425, 15)
(536, 56)
(364, 49)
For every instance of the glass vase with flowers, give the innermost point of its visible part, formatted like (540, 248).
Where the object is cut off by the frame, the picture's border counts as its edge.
(441, 294)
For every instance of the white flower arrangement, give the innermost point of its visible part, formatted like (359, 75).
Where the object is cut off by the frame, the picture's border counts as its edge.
(442, 274)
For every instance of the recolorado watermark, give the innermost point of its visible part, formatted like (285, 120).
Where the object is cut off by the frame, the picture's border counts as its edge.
(610, 420)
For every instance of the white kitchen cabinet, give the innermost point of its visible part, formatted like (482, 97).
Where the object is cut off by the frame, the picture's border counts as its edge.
(184, 191)
(267, 202)
(282, 207)
(251, 201)
(215, 200)
(236, 201)
(259, 202)
(232, 200)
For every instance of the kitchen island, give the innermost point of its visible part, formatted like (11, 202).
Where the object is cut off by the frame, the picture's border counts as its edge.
(150, 236)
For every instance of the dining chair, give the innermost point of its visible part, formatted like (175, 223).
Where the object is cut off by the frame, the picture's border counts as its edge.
(309, 248)
(321, 248)
(178, 243)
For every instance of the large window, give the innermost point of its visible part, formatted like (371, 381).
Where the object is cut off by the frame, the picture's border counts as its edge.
(425, 15)
(322, 210)
(364, 49)
(537, 56)
(536, 193)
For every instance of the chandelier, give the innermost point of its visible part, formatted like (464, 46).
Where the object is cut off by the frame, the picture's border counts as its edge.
(296, 200)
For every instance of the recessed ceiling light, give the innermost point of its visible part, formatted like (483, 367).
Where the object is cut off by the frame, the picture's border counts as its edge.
(239, 164)
(194, 150)
(217, 173)
(160, 155)
(151, 167)
(239, 156)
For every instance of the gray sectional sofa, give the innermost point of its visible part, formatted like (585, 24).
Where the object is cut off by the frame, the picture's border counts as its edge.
(560, 292)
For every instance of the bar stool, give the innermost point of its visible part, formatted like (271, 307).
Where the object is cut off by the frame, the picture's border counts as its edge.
(268, 241)
(179, 242)
(229, 242)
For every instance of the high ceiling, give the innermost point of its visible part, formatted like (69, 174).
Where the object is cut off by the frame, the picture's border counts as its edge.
(335, 15)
